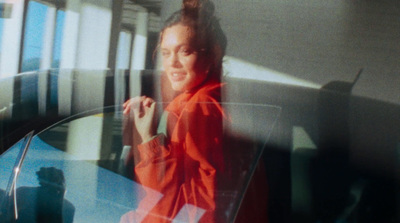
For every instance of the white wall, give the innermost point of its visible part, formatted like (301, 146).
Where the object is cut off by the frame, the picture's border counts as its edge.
(11, 39)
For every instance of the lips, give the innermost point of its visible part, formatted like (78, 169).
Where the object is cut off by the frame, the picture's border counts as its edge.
(177, 76)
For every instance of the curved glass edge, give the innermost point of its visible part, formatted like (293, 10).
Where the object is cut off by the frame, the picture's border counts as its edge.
(249, 122)
(9, 196)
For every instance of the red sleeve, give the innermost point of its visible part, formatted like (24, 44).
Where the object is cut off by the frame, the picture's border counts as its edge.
(185, 167)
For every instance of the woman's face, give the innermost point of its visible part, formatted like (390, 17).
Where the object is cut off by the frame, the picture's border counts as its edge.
(183, 65)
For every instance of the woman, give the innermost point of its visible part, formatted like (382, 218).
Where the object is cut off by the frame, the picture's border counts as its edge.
(183, 160)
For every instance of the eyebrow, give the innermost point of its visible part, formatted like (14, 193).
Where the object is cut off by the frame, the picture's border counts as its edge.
(179, 46)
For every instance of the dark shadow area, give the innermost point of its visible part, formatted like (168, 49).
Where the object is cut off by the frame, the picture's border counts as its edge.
(379, 202)
(276, 159)
(45, 203)
(331, 173)
(374, 153)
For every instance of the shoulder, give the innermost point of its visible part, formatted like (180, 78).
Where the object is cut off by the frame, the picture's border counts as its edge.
(206, 100)
(208, 93)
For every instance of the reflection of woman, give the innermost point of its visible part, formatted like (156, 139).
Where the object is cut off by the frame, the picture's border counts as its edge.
(45, 203)
(185, 161)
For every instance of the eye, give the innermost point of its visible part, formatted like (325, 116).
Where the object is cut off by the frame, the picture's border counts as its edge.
(165, 53)
(185, 51)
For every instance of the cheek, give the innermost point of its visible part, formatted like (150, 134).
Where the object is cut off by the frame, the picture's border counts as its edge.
(195, 65)
(190, 65)
(164, 64)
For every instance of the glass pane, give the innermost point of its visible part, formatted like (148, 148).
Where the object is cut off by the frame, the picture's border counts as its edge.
(80, 169)
(1, 31)
(33, 38)
(62, 182)
(11, 162)
(124, 50)
(8, 160)
(58, 38)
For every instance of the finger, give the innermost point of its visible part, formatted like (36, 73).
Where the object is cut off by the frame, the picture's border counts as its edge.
(136, 102)
(128, 105)
(125, 104)
(148, 102)
(149, 111)
(137, 109)
(129, 102)
(152, 109)
(126, 110)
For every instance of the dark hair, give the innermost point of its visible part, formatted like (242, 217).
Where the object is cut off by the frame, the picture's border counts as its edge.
(208, 36)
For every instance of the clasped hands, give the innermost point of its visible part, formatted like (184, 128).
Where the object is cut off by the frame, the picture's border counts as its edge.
(142, 110)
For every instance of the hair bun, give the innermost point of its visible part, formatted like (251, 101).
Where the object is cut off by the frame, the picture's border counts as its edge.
(198, 8)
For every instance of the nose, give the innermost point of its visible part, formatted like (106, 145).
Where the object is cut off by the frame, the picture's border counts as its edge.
(174, 60)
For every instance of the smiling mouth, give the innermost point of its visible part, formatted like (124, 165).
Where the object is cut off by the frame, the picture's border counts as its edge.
(177, 76)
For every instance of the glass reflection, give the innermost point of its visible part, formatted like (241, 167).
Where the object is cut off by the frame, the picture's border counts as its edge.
(45, 203)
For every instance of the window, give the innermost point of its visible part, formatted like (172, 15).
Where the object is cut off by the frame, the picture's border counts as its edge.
(33, 36)
(42, 37)
(124, 50)
(58, 38)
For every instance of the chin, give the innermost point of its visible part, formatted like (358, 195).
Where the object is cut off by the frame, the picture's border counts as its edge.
(177, 86)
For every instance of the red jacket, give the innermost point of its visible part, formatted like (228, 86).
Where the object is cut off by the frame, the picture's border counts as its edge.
(183, 166)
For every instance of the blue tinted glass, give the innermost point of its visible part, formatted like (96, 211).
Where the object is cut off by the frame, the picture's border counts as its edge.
(7, 161)
(58, 39)
(53, 88)
(33, 38)
(1, 31)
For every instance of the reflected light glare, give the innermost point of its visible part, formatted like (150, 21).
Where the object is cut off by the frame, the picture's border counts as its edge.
(94, 35)
(234, 67)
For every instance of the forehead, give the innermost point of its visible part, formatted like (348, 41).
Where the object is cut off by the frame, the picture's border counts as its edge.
(176, 35)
